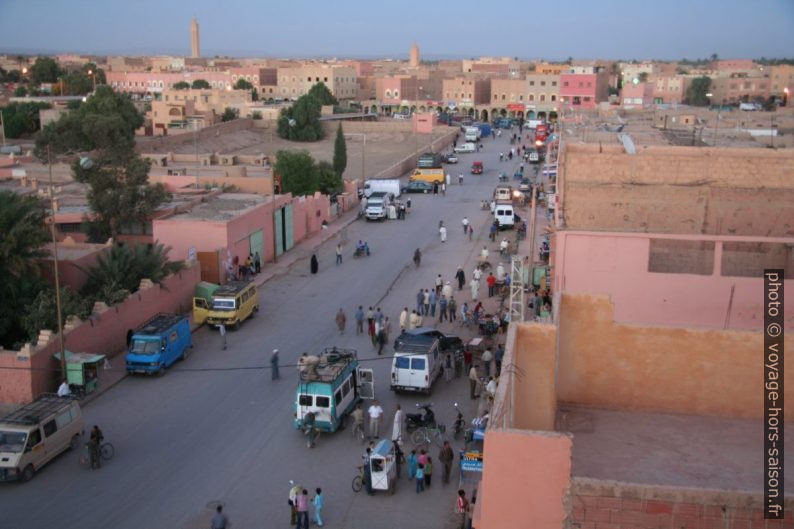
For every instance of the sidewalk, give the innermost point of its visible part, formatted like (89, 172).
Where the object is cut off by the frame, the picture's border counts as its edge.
(107, 378)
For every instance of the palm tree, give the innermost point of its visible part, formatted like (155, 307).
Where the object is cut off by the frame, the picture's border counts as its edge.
(119, 272)
(23, 234)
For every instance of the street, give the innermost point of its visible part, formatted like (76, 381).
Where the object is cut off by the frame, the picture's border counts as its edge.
(215, 428)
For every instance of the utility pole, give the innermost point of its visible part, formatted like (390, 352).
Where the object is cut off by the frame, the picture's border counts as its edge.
(55, 266)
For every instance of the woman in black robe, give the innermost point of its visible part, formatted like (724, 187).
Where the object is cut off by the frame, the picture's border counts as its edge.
(314, 264)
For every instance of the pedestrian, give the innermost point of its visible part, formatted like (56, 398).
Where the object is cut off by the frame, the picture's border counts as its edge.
(465, 223)
(446, 455)
(375, 412)
(368, 471)
(448, 367)
(464, 314)
(303, 510)
(443, 189)
(491, 282)
(471, 232)
(408, 203)
(341, 319)
(477, 274)
(467, 359)
(446, 290)
(372, 331)
(474, 285)
(95, 448)
(473, 379)
(448, 179)
(383, 334)
(433, 302)
(435, 188)
(425, 303)
(428, 471)
(420, 478)
(378, 316)
(404, 319)
(413, 320)
(498, 356)
(460, 275)
(313, 265)
(443, 232)
(318, 501)
(492, 231)
(412, 464)
(397, 432)
(64, 390)
(460, 179)
(462, 507)
(442, 309)
(339, 253)
(222, 331)
(420, 301)
(359, 320)
(439, 284)
(294, 492)
(257, 263)
(274, 375)
(487, 356)
(452, 308)
(219, 521)
(399, 459)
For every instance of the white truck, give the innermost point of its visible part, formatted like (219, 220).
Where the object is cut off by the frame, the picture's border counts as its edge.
(385, 185)
(533, 123)
(473, 133)
(377, 206)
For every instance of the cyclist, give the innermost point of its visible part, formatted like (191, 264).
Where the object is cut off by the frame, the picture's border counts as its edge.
(95, 447)
(358, 419)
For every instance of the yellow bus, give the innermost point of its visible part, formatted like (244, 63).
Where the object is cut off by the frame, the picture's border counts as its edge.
(230, 305)
(434, 176)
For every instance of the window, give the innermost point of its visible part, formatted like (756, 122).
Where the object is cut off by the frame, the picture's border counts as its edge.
(64, 418)
(338, 397)
(73, 227)
(532, 83)
(542, 97)
(554, 83)
(309, 79)
(581, 84)
(521, 97)
(587, 98)
(589, 84)
(543, 83)
(503, 97)
(305, 400)
(346, 387)
(469, 95)
(565, 83)
(553, 97)
(401, 362)
(322, 402)
(325, 79)
(34, 438)
(418, 364)
(50, 428)
(531, 97)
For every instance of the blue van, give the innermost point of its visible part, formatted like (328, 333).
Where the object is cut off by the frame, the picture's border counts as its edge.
(158, 343)
(331, 388)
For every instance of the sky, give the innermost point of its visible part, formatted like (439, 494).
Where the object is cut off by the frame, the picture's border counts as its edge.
(582, 29)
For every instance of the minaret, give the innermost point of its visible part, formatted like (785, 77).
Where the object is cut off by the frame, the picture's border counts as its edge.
(414, 61)
(195, 46)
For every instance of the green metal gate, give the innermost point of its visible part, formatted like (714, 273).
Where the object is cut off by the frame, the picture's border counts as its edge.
(278, 227)
(288, 239)
(257, 243)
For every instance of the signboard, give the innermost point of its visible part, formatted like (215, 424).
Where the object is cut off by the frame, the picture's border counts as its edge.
(515, 107)
(471, 461)
(191, 253)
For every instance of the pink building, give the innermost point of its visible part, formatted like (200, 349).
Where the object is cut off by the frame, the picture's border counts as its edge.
(669, 89)
(583, 90)
(155, 82)
(636, 95)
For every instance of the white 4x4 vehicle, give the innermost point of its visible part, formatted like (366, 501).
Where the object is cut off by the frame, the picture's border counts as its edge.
(466, 147)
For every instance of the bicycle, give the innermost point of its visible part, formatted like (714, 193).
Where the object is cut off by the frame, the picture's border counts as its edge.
(358, 432)
(358, 481)
(427, 434)
(106, 453)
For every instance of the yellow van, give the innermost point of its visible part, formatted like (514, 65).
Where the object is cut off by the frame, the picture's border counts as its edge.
(230, 305)
(434, 176)
(35, 433)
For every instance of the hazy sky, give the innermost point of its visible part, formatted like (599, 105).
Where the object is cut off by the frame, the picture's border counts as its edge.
(667, 29)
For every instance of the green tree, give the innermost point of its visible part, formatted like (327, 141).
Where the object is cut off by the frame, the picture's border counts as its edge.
(299, 174)
(119, 194)
(24, 236)
(45, 70)
(200, 84)
(242, 84)
(13, 76)
(697, 90)
(301, 121)
(256, 115)
(321, 93)
(328, 180)
(42, 313)
(181, 85)
(643, 77)
(98, 73)
(77, 83)
(230, 114)
(340, 151)
(22, 118)
(118, 273)
(20, 91)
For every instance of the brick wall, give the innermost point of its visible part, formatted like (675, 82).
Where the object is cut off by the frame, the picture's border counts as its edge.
(607, 505)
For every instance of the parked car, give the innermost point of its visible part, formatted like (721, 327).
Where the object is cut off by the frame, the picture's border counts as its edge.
(525, 186)
(418, 186)
(466, 147)
(449, 158)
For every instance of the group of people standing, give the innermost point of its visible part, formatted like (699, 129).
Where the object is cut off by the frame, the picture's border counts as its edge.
(378, 325)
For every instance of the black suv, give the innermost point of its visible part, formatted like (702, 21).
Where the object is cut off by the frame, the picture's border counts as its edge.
(421, 335)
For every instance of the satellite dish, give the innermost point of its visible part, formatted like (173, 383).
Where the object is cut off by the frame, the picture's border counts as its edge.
(292, 122)
(86, 163)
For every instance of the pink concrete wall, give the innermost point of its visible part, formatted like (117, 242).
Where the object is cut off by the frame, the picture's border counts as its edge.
(182, 234)
(105, 333)
(69, 272)
(532, 497)
(262, 185)
(573, 89)
(617, 265)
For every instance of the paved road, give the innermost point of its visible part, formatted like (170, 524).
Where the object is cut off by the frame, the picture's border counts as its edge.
(216, 429)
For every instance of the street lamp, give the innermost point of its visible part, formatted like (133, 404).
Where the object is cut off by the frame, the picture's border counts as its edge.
(785, 96)
(55, 265)
(92, 73)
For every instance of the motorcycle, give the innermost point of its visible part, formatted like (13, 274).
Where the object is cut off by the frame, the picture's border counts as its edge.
(361, 252)
(414, 421)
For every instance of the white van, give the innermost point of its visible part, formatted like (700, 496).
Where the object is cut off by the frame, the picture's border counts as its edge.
(503, 212)
(387, 185)
(472, 134)
(504, 192)
(35, 433)
(466, 147)
(416, 365)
